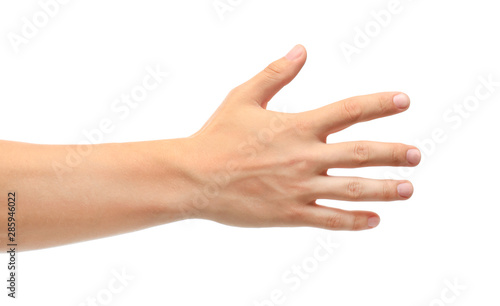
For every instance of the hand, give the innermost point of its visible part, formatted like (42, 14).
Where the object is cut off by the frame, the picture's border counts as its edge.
(262, 168)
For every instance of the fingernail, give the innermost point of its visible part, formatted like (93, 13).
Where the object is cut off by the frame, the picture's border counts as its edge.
(402, 101)
(373, 221)
(295, 53)
(413, 156)
(405, 190)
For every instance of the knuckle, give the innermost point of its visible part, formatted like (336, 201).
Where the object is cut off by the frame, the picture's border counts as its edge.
(357, 223)
(295, 213)
(299, 190)
(398, 154)
(334, 221)
(301, 125)
(361, 153)
(300, 163)
(384, 103)
(354, 190)
(235, 90)
(235, 93)
(351, 110)
(387, 190)
(273, 72)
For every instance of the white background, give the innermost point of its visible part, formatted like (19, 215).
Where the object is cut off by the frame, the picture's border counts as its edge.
(64, 80)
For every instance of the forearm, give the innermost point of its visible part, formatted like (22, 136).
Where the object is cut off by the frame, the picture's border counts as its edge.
(116, 188)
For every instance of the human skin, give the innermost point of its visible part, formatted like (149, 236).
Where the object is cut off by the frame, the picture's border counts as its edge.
(247, 166)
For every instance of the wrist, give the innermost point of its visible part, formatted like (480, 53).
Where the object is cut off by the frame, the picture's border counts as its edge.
(171, 166)
(153, 176)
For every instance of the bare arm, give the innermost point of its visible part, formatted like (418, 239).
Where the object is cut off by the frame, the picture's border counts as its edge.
(114, 189)
(247, 166)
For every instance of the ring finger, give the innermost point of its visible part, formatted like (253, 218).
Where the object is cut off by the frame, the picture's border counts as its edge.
(360, 189)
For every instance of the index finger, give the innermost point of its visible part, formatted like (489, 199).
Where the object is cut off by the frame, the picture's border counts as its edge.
(340, 115)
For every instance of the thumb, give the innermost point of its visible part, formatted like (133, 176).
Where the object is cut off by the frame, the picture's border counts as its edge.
(262, 87)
